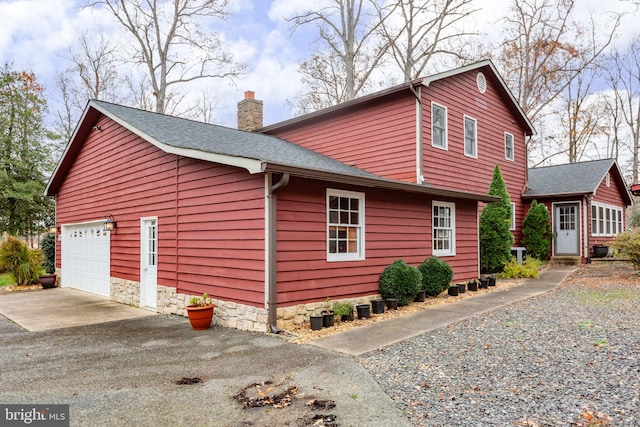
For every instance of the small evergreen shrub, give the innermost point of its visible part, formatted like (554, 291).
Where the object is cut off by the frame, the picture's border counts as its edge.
(23, 263)
(436, 275)
(536, 231)
(342, 309)
(48, 246)
(400, 281)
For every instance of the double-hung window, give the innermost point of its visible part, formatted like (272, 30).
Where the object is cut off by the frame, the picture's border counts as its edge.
(508, 146)
(345, 225)
(444, 214)
(470, 137)
(438, 126)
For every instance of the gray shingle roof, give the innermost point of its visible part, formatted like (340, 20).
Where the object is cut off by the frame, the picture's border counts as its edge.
(572, 178)
(189, 134)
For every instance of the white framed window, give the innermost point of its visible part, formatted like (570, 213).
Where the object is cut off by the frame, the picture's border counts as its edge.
(513, 217)
(345, 225)
(439, 126)
(606, 220)
(508, 146)
(444, 228)
(470, 137)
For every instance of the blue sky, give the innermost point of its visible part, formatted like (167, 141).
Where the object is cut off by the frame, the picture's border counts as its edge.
(35, 35)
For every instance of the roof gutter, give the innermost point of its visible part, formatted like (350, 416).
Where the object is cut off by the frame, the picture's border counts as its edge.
(272, 283)
(377, 182)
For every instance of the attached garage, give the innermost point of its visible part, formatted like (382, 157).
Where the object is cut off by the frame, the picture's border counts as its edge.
(85, 257)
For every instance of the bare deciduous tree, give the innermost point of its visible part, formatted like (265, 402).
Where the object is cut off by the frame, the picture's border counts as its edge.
(170, 42)
(417, 31)
(624, 79)
(544, 51)
(340, 69)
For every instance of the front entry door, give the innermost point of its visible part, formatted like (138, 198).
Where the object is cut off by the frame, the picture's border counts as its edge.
(566, 229)
(148, 262)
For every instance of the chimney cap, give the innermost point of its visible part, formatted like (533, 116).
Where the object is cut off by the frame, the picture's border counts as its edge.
(249, 94)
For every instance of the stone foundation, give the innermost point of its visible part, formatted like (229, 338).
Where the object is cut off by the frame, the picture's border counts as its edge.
(228, 314)
(299, 314)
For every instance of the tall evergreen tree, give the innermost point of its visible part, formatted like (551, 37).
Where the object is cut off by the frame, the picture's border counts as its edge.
(495, 237)
(536, 231)
(24, 154)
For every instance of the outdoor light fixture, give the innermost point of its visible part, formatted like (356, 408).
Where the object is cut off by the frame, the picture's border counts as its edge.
(54, 229)
(109, 223)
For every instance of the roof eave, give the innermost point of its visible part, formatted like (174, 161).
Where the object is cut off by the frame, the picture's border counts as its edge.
(376, 183)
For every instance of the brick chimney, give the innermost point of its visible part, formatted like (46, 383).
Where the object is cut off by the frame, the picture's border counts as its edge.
(249, 112)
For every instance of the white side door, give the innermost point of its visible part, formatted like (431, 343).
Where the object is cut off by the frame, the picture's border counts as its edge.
(149, 262)
(566, 229)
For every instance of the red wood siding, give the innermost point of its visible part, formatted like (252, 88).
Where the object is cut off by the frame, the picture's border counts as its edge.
(218, 246)
(451, 168)
(396, 226)
(378, 137)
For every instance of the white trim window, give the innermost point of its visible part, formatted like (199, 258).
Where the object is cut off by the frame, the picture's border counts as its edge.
(439, 126)
(606, 220)
(345, 225)
(512, 227)
(470, 137)
(508, 146)
(444, 228)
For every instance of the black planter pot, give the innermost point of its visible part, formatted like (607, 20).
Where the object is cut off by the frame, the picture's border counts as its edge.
(47, 281)
(600, 251)
(316, 322)
(377, 306)
(462, 288)
(492, 280)
(347, 317)
(484, 283)
(420, 297)
(327, 319)
(472, 285)
(392, 303)
(453, 290)
(364, 311)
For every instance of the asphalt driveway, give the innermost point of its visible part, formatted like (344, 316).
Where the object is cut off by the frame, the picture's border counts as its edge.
(124, 372)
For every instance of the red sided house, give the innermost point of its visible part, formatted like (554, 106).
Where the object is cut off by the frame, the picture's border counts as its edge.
(587, 202)
(272, 223)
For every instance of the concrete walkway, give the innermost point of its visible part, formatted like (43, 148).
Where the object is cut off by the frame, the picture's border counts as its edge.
(371, 337)
(47, 309)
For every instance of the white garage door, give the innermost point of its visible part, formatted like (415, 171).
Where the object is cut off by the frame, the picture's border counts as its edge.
(85, 257)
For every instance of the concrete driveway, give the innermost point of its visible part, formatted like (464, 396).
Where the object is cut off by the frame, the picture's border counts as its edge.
(46, 309)
(124, 372)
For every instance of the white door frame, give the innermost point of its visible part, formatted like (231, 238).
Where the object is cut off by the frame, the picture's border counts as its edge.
(148, 264)
(578, 220)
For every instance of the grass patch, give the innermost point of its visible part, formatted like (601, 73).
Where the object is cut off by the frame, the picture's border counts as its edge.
(586, 324)
(606, 298)
(600, 343)
(512, 323)
(6, 279)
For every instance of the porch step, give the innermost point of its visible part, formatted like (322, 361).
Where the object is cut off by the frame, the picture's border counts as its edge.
(566, 260)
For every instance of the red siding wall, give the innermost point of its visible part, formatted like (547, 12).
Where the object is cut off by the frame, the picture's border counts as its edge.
(218, 246)
(378, 137)
(451, 168)
(396, 226)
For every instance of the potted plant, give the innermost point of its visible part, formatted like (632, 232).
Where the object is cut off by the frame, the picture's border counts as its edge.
(200, 312)
(600, 251)
(327, 315)
(453, 290)
(48, 247)
(316, 320)
(472, 285)
(343, 310)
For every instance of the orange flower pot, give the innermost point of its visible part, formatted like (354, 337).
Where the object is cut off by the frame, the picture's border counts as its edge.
(200, 317)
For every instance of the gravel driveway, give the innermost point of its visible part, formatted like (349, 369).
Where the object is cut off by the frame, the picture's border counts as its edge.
(569, 357)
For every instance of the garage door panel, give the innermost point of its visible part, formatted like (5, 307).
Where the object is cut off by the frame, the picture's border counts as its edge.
(85, 258)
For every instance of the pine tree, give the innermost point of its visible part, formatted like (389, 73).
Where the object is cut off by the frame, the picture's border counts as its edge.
(495, 237)
(536, 231)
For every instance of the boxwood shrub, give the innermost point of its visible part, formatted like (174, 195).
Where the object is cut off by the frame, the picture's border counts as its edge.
(436, 275)
(400, 281)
